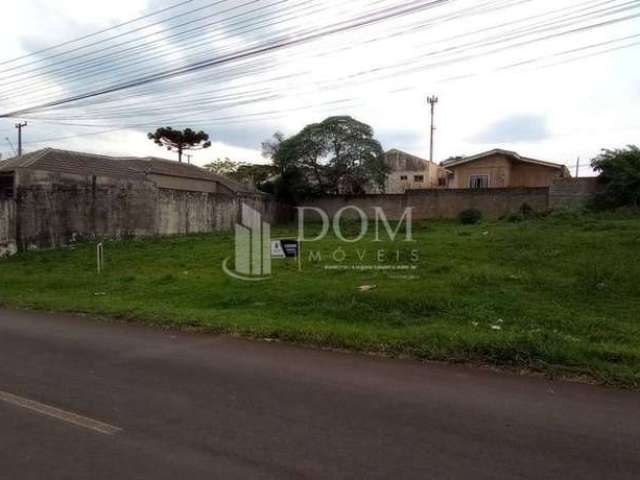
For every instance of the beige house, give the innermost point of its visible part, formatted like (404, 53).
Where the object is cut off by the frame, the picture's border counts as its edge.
(501, 169)
(409, 172)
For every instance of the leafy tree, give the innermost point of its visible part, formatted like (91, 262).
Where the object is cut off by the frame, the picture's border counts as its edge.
(291, 187)
(248, 173)
(337, 156)
(224, 166)
(271, 147)
(254, 173)
(620, 172)
(180, 141)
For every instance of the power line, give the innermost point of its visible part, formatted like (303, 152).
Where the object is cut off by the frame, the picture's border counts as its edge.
(314, 35)
(264, 94)
(226, 120)
(84, 37)
(13, 92)
(463, 58)
(101, 42)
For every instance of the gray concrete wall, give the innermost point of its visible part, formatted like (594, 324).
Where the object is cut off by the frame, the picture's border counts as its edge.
(53, 209)
(190, 212)
(56, 209)
(8, 245)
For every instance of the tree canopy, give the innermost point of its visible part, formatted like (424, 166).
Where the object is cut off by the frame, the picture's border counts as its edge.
(620, 172)
(222, 166)
(336, 156)
(180, 140)
(248, 173)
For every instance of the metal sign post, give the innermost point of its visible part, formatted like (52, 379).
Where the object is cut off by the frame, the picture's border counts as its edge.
(100, 257)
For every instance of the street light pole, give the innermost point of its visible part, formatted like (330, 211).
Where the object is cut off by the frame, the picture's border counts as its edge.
(432, 102)
(20, 126)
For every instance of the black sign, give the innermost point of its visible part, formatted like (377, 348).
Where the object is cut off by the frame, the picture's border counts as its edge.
(290, 248)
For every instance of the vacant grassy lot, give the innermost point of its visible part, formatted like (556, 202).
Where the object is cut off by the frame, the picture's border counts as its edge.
(559, 294)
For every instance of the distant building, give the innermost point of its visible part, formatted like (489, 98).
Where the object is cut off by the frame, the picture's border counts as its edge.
(409, 172)
(49, 165)
(501, 169)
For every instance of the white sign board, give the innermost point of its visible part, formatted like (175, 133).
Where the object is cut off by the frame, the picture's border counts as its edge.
(276, 249)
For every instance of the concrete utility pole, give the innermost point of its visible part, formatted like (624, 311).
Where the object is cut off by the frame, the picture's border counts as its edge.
(578, 168)
(20, 126)
(432, 102)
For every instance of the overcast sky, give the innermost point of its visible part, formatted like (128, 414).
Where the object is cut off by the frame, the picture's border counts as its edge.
(549, 109)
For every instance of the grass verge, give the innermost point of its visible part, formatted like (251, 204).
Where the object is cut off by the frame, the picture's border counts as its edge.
(559, 295)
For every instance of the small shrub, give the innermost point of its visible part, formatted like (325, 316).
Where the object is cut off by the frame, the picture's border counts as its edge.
(568, 215)
(527, 211)
(470, 216)
(515, 217)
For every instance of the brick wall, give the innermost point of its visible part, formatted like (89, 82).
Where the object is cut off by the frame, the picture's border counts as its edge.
(436, 203)
(572, 192)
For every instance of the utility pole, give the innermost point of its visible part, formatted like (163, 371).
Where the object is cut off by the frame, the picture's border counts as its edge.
(432, 102)
(20, 126)
(578, 168)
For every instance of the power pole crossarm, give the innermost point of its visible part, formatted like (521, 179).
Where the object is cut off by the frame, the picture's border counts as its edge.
(20, 126)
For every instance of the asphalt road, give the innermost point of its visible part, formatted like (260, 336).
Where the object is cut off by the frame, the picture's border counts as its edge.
(122, 401)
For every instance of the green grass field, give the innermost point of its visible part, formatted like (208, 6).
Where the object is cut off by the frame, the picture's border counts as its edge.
(561, 295)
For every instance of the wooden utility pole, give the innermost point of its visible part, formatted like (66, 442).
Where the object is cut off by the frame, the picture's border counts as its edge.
(20, 126)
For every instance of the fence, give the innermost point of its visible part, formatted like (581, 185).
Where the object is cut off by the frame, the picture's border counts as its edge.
(448, 203)
(60, 213)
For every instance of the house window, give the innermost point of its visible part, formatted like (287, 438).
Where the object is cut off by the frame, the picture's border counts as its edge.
(403, 177)
(479, 181)
(418, 178)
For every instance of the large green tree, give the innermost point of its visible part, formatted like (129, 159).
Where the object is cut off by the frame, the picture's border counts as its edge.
(336, 156)
(180, 140)
(620, 172)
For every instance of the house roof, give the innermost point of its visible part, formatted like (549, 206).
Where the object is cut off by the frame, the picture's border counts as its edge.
(409, 162)
(499, 151)
(64, 161)
(161, 166)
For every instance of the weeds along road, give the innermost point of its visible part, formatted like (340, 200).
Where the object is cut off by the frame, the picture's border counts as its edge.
(85, 399)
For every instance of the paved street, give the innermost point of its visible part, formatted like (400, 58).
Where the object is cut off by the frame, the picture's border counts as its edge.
(84, 399)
